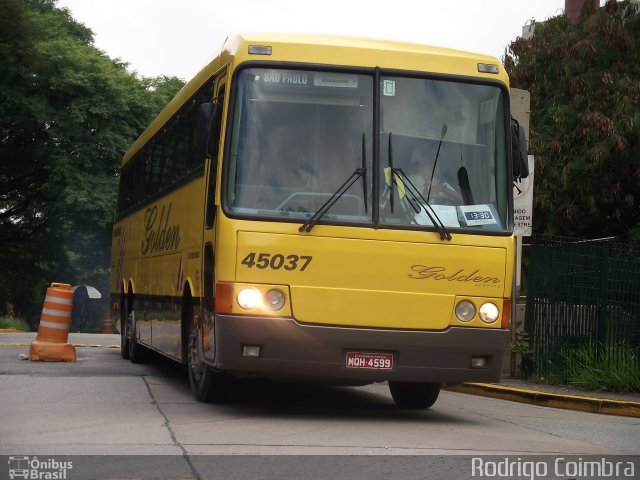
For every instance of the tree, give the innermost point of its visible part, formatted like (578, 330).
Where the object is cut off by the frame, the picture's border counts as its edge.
(584, 80)
(67, 115)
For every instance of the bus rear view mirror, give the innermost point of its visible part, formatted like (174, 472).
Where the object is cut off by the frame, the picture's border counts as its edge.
(208, 128)
(519, 151)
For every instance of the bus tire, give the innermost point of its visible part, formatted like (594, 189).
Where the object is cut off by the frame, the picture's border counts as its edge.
(207, 385)
(137, 353)
(124, 332)
(414, 395)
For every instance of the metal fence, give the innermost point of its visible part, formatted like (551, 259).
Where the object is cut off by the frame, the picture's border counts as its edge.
(580, 294)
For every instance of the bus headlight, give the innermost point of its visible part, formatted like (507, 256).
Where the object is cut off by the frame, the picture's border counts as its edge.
(488, 313)
(274, 300)
(465, 311)
(249, 298)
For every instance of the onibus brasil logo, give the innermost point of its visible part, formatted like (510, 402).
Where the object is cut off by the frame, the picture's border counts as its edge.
(38, 469)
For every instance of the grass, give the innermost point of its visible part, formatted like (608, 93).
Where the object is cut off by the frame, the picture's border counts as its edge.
(604, 368)
(14, 324)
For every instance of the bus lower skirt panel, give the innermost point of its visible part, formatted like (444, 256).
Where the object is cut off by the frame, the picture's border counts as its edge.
(285, 348)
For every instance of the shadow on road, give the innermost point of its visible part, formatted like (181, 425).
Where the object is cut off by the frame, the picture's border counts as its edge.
(304, 400)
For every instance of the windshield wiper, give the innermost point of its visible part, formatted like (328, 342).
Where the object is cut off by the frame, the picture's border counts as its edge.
(357, 173)
(415, 197)
(433, 170)
(313, 220)
(417, 200)
(391, 172)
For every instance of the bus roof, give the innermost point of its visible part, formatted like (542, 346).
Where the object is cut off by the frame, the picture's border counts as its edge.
(328, 51)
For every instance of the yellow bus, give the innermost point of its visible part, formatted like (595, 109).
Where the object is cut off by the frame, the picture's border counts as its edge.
(333, 209)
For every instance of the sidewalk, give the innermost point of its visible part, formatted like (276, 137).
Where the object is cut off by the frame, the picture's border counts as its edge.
(556, 396)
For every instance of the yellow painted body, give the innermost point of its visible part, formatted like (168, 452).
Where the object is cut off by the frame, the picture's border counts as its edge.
(156, 272)
(375, 278)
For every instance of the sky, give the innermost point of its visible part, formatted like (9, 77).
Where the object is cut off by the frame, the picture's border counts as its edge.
(178, 38)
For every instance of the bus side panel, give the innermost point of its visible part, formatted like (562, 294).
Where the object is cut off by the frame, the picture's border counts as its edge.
(160, 249)
(172, 270)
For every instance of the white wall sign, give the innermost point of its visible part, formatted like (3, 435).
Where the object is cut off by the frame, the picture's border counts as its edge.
(523, 204)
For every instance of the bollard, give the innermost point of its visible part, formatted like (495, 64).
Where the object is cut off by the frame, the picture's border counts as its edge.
(106, 324)
(53, 331)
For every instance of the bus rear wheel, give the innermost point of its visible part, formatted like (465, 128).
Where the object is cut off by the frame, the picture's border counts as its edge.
(124, 334)
(207, 385)
(414, 395)
(124, 340)
(137, 353)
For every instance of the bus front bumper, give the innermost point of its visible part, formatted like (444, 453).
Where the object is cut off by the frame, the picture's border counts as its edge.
(290, 349)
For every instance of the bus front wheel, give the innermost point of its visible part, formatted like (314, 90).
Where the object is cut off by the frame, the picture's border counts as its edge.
(414, 395)
(207, 385)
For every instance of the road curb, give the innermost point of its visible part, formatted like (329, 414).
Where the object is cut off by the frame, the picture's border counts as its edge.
(546, 399)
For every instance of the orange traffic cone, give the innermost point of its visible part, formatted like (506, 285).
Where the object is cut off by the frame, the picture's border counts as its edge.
(53, 332)
(106, 323)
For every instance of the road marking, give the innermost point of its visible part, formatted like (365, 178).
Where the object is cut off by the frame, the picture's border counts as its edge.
(77, 345)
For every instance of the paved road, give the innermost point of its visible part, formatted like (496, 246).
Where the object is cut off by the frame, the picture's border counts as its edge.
(103, 405)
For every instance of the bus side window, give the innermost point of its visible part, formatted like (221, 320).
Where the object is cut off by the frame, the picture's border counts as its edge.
(155, 168)
(137, 181)
(167, 160)
(181, 148)
(170, 153)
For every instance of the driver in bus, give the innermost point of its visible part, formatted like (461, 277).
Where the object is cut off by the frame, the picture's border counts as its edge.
(439, 190)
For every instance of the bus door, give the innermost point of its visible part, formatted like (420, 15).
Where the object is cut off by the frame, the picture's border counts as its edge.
(211, 172)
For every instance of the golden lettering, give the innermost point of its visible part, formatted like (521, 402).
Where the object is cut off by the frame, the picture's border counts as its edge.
(159, 236)
(439, 273)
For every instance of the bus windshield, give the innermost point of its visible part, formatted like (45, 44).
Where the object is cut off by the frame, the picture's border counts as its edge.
(298, 135)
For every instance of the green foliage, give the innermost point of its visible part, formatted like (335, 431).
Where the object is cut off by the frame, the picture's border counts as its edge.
(164, 89)
(614, 369)
(523, 349)
(67, 115)
(8, 323)
(584, 80)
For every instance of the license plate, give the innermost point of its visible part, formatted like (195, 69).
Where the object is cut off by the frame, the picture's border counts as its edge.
(371, 361)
